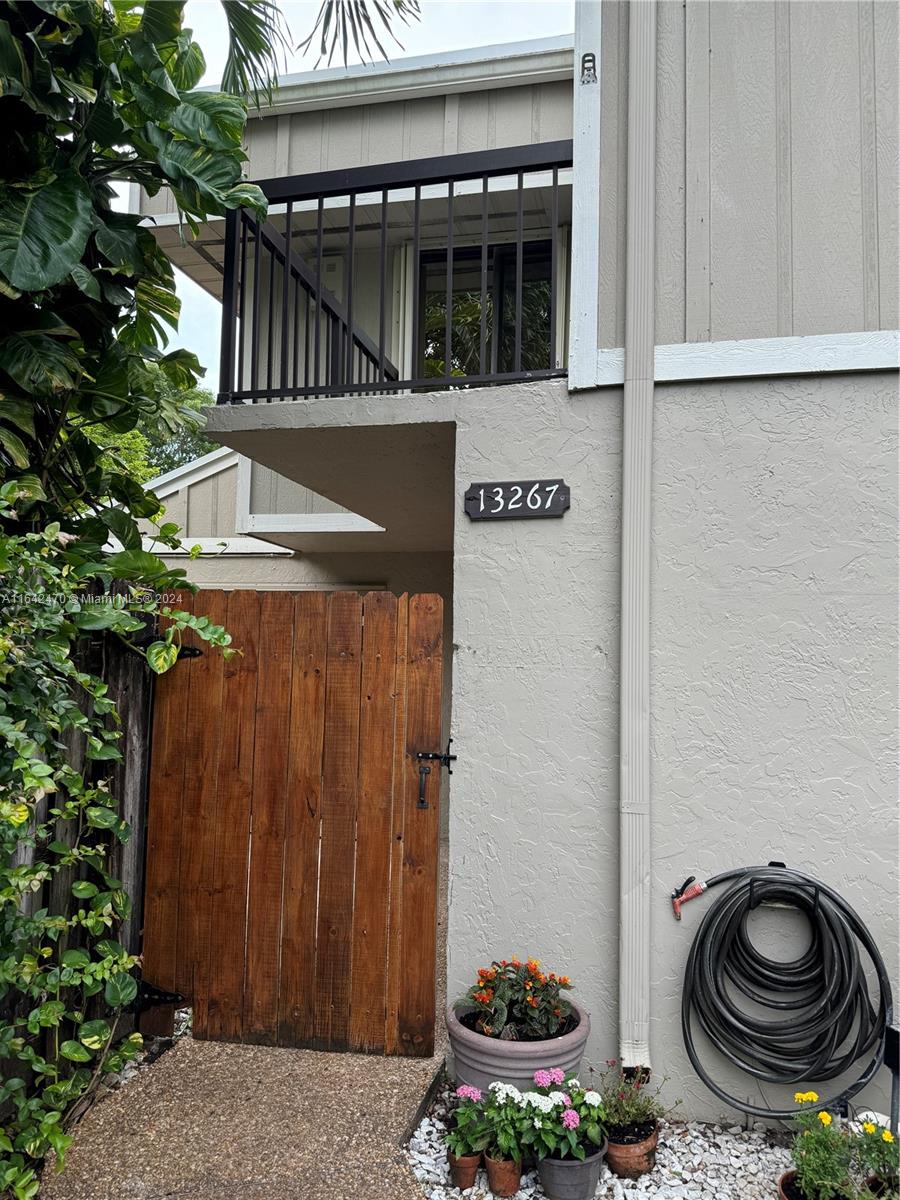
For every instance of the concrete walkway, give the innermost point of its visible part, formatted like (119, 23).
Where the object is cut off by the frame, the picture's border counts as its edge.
(211, 1121)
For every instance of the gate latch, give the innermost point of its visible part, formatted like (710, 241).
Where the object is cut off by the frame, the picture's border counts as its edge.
(424, 756)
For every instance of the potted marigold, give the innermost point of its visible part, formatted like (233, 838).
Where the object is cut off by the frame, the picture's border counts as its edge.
(566, 1135)
(633, 1111)
(467, 1138)
(822, 1153)
(878, 1154)
(514, 1020)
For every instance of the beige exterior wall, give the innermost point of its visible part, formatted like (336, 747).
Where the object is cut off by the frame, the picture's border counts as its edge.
(777, 185)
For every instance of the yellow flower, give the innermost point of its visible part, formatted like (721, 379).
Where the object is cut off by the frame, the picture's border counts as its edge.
(887, 1136)
(825, 1118)
(868, 1127)
(806, 1097)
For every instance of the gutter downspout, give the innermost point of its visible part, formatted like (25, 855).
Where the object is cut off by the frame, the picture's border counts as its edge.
(634, 754)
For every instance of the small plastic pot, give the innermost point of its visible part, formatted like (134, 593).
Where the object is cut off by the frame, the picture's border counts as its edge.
(571, 1178)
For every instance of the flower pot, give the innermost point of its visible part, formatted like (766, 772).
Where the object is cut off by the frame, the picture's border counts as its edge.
(480, 1060)
(631, 1160)
(789, 1189)
(463, 1169)
(876, 1186)
(504, 1175)
(569, 1179)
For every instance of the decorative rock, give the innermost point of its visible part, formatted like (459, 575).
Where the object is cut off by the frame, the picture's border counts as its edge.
(694, 1162)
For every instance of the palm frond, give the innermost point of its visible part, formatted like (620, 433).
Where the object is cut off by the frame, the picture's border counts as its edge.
(258, 43)
(364, 22)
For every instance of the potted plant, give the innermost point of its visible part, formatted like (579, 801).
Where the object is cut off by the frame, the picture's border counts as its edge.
(632, 1113)
(822, 1153)
(877, 1152)
(468, 1137)
(513, 1021)
(504, 1115)
(566, 1135)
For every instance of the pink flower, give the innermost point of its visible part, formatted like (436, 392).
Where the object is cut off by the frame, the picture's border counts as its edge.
(567, 1099)
(557, 1075)
(571, 1119)
(543, 1078)
(466, 1092)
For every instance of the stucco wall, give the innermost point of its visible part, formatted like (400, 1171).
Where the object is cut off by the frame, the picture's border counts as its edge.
(773, 670)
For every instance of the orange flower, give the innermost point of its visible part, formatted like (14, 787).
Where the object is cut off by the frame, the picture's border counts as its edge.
(557, 1012)
(542, 979)
(528, 985)
(516, 962)
(533, 966)
(533, 1001)
(564, 981)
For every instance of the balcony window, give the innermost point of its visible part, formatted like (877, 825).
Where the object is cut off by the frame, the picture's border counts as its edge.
(445, 273)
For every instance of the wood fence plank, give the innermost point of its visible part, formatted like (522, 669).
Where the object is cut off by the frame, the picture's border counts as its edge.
(420, 839)
(296, 1001)
(398, 785)
(200, 808)
(164, 834)
(368, 989)
(224, 986)
(333, 960)
(273, 709)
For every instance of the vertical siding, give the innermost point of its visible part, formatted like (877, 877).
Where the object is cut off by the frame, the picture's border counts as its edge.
(781, 217)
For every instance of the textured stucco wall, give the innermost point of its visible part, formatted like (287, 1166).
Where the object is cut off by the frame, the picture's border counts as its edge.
(773, 671)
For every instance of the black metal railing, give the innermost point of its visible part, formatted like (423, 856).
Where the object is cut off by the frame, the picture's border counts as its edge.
(425, 274)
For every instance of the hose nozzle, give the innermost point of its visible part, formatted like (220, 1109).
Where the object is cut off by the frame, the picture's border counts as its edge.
(688, 890)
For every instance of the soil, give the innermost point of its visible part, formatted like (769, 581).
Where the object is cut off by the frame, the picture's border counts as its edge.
(629, 1135)
(470, 1020)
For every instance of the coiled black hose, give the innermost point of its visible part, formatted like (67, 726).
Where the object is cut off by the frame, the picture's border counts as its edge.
(808, 1020)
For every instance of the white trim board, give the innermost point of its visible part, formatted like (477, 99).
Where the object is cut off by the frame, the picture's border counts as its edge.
(213, 547)
(329, 522)
(818, 354)
(193, 472)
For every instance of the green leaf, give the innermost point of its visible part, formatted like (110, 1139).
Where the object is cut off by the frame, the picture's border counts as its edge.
(101, 818)
(85, 281)
(75, 958)
(14, 447)
(18, 412)
(43, 232)
(75, 1052)
(120, 990)
(161, 657)
(211, 118)
(94, 1034)
(84, 890)
(136, 564)
(162, 22)
(38, 363)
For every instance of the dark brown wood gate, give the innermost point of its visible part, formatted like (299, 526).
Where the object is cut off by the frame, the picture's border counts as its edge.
(291, 875)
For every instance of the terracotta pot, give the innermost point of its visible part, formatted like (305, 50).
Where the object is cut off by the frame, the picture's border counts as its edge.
(504, 1175)
(569, 1179)
(631, 1160)
(788, 1189)
(878, 1186)
(479, 1060)
(463, 1169)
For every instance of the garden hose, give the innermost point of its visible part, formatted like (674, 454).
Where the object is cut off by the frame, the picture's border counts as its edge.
(810, 1019)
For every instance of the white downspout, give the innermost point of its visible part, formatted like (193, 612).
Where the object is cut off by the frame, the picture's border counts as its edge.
(634, 753)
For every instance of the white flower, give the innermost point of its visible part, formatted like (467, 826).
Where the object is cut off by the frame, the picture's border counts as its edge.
(538, 1123)
(506, 1091)
(592, 1098)
(574, 1083)
(557, 1098)
(542, 1103)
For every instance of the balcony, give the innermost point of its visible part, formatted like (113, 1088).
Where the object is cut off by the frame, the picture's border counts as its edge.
(435, 273)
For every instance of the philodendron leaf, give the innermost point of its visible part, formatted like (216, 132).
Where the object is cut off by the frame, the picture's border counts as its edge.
(43, 232)
(75, 1051)
(161, 657)
(119, 990)
(94, 1034)
(39, 364)
(213, 119)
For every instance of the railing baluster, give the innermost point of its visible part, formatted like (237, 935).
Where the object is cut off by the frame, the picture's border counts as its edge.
(254, 318)
(351, 240)
(382, 274)
(484, 274)
(306, 343)
(317, 376)
(270, 312)
(295, 326)
(554, 263)
(416, 274)
(242, 339)
(517, 365)
(286, 295)
(448, 327)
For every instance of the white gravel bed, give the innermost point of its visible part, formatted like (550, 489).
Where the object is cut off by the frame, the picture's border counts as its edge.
(694, 1162)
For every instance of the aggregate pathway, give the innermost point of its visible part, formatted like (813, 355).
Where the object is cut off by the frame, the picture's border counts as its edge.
(212, 1121)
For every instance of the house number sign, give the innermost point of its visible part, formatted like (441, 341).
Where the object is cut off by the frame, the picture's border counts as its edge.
(517, 500)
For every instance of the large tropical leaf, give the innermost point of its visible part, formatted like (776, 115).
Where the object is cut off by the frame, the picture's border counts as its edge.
(43, 232)
(202, 179)
(40, 365)
(212, 118)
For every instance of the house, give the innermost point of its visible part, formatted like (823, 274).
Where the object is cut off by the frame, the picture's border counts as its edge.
(654, 271)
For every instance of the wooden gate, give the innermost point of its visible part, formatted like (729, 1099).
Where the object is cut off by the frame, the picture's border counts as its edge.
(291, 873)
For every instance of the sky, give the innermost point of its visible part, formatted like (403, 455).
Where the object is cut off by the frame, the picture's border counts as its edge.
(444, 25)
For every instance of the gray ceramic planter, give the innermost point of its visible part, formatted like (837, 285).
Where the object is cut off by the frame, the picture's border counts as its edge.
(480, 1061)
(569, 1179)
